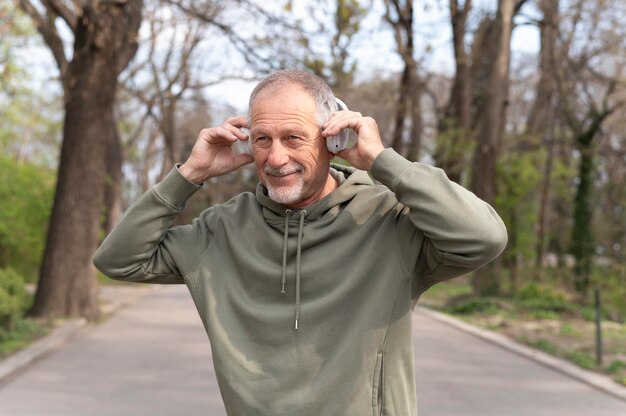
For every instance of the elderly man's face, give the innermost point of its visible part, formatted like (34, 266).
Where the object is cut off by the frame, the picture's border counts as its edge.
(289, 151)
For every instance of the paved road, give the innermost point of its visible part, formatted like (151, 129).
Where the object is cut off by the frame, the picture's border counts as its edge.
(152, 358)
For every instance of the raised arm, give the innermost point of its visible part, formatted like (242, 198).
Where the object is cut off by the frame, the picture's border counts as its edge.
(143, 247)
(443, 229)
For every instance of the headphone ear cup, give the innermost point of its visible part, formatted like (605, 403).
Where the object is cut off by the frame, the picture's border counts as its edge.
(246, 145)
(337, 143)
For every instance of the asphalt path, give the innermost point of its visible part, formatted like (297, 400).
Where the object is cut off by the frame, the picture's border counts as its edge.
(153, 358)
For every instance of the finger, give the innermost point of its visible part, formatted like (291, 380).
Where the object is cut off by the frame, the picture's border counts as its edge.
(339, 122)
(236, 131)
(237, 121)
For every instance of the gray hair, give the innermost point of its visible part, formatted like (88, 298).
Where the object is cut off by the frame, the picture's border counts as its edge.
(321, 93)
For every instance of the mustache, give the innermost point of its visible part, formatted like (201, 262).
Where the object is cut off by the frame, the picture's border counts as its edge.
(283, 170)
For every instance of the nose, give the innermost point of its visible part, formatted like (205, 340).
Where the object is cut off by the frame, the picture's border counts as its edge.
(278, 155)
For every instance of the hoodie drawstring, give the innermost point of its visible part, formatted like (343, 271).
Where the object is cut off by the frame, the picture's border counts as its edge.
(298, 262)
(298, 252)
(284, 279)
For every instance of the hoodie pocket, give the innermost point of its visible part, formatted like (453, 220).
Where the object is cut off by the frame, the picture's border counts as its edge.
(377, 387)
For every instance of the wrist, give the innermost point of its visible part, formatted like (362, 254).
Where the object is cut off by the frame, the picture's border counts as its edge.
(373, 155)
(191, 174)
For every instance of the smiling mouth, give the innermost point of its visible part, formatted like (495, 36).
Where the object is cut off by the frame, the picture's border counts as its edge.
(283, 172)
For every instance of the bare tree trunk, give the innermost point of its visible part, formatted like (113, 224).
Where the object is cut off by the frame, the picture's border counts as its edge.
(416, 121)
(105, 40)
(401, 109)
(455, 127)
(541, 120)
(402, 25)
(168, 128)
(544, 200)
(144, 173)
(496, 51)
(113, 182)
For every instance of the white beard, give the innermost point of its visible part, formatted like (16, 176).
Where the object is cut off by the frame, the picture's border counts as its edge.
(281, 194)
(284, 195)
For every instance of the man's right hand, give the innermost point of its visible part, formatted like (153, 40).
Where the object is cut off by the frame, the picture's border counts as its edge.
(212, 155)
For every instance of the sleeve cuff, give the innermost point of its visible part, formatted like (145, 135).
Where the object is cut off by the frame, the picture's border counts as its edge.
(388, 166)
(175, 189)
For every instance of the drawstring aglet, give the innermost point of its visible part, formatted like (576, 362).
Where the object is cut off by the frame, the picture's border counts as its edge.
(282, 290)
(296, 325)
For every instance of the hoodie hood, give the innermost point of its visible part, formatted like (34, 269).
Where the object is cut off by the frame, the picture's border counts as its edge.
(350, 181)
(278, 216)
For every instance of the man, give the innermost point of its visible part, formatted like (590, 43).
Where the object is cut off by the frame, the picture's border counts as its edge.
(306, 287)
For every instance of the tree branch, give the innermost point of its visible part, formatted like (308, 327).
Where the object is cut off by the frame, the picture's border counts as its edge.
(50, 35)
(249, 53)
(64, 12)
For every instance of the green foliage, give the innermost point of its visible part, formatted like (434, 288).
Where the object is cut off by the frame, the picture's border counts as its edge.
(13, 299)
(26, 194)
(611, 280)
(453, 147)
(484, 306)
(546, 346)
(568, 330)
(616, 366)
(445, 292)
(542, 302)
(22, 334)
(518, 179)
(582, 359)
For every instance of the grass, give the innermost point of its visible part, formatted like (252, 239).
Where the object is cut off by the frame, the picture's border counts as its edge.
(24, 333)
(545, 317)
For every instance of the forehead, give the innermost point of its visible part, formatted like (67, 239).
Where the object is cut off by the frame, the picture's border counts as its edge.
(285, 103)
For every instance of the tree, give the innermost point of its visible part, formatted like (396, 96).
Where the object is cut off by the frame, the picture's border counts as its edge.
(588, 91)
(399, 15)
(543, 115)
(104, 40)
(455, 125)
(338, 71)
(491, 55)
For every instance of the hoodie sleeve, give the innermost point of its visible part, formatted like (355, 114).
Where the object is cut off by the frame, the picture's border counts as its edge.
(443, 230)
(143, 247)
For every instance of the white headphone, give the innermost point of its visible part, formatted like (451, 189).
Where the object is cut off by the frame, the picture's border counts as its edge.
(334, 144)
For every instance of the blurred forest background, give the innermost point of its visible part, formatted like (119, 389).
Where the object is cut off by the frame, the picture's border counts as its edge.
(521, 101)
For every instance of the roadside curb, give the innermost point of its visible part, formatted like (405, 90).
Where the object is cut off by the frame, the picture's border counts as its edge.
(39, 348)
(59, 335)
(595, 380)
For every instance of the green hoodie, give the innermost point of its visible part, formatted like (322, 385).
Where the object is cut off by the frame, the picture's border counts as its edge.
(338, 341)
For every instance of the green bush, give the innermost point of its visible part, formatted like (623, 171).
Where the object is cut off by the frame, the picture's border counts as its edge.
(616, 366)
(610, 280)
(24, 332)
(545, 345)
(533, 291)
(541, 300)
(486, 306)
(26, 194)
(582, 359)
(14, 299)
